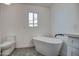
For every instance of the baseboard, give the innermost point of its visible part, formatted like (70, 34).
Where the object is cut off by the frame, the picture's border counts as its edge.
(25, 46)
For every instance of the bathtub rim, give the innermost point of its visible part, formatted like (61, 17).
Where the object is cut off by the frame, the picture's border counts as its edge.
(52, 39)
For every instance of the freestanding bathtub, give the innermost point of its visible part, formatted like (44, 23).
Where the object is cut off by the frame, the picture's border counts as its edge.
(47, 46)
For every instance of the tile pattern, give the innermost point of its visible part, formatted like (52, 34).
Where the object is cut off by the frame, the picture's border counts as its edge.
(25, 52)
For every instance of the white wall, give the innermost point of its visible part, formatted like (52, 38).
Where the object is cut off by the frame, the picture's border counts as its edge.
(64, 18)
(0, 26)
(14, 20)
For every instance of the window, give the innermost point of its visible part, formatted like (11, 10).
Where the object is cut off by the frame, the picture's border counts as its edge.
(33, 19)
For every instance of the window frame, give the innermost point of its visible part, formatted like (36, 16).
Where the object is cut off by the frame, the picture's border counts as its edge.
(33, 19)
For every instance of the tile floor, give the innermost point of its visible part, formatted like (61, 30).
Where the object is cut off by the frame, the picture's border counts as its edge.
(25, 52)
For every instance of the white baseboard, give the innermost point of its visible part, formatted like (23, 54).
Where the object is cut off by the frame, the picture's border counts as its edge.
(25, 46)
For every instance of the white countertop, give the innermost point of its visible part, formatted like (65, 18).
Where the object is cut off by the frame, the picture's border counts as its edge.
(76, 35)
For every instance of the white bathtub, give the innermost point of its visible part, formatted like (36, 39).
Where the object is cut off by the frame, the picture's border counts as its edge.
(47, 46)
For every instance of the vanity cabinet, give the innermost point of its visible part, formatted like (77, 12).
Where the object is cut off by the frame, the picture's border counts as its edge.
(73, 46)
(70, 46)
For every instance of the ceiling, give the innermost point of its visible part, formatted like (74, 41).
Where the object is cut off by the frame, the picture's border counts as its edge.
(41, 4)
(36, 4)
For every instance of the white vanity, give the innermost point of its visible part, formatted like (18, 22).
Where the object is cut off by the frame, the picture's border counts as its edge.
(73, 44)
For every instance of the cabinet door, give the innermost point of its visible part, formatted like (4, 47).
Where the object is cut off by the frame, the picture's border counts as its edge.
(69, 42)
(69, 50)
(76, 43)
(75, 52)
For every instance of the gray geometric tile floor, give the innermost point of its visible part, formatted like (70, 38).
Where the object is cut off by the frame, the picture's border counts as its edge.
(25, 52)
